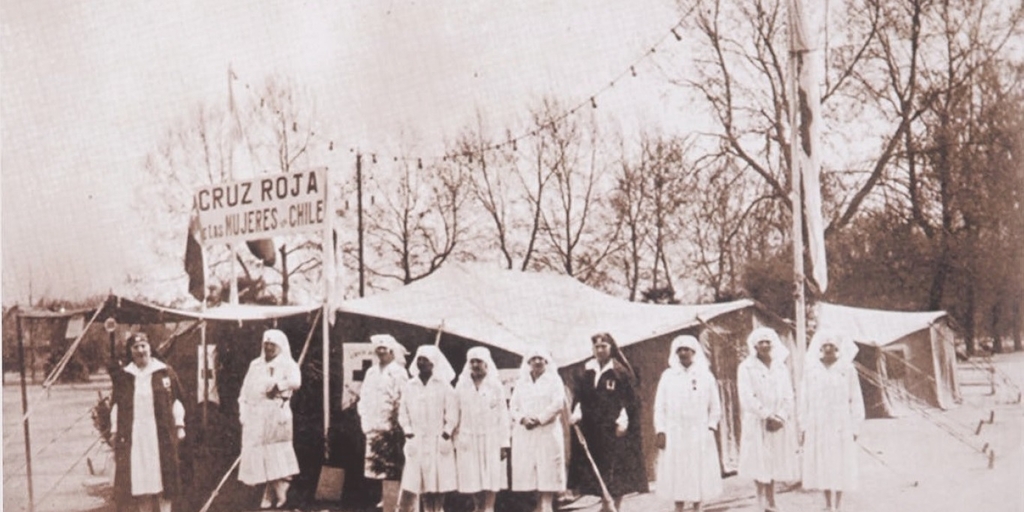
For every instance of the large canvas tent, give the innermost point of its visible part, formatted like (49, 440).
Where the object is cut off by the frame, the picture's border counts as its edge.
(907, 359)
(214, 434)
(510, 311)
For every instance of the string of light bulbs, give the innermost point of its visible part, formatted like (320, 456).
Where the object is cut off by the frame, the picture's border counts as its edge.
(513, 142)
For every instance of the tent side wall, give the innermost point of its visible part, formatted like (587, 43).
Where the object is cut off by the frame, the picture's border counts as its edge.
(947, 387)
(910, 362)
(875, 383)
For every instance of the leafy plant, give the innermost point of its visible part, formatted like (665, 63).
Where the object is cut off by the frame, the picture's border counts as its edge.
(387, 449)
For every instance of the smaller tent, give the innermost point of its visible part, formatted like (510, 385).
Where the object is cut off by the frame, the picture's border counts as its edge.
(211, 387)
(907, 359)
(45, 335)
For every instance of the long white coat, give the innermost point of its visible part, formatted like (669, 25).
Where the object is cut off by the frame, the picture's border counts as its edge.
(538, 455)
(482, 432)
(378, 404)
(765, 391)
(427, 411)
(267, 451)
(831, 412)
(687, 410)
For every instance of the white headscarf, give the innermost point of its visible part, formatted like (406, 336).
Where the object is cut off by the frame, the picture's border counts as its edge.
(700, 361)
(389, 341)
(847, 349)
(524, 369)
(277, 338)
(779, 350)
(443, 370)
(483, 354)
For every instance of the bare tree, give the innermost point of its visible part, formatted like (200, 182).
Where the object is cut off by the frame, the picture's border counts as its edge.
(269, 130)
(418, 224)
(570, 215)
(648, 195)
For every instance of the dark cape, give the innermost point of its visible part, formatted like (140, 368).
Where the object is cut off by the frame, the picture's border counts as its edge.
(166, 389)
(620, 459)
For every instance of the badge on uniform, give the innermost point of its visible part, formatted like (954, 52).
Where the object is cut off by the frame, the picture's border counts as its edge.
(609, 384)
(167, 383)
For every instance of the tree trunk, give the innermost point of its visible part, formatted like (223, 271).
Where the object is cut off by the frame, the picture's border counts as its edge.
(997, 338)
(1017, 327)
(969, 328)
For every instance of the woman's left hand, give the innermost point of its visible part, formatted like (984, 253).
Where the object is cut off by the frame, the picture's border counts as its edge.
(181, 432)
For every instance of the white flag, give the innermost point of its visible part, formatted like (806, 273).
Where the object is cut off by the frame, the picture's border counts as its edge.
(805, 27)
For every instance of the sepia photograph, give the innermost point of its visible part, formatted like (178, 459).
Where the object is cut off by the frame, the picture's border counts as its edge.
(536, 256)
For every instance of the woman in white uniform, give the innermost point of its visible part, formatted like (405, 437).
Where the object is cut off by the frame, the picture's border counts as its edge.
(264, 409)
(429, 414)
(538, 444)
(768, 441)
(686, 414)
(482, 437)
(831, 411)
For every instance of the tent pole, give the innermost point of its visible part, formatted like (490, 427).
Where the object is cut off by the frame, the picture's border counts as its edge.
(24, 411)
(233, 290)
(206, 369)
(328, 275)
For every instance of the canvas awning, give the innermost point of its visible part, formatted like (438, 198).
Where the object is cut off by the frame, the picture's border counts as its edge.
(874, 327)
(134, 312)
(514, 310)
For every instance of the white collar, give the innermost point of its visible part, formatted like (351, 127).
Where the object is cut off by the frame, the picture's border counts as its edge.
(592, 364)
(153, 366)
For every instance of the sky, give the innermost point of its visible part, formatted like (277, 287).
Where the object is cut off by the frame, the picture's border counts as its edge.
(87, 89)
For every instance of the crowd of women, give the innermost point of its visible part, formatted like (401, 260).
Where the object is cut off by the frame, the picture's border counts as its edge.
(457, 438)
(461, 433)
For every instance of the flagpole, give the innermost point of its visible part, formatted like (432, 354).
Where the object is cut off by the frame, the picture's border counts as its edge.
(233, 295)
(797, 65)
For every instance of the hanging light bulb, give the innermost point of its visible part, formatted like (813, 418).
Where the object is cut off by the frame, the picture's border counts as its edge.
(514, 147)
(632, 69)
(373, 157)
(676, 34)
(330, 146)
(593, 102)
(419, 163)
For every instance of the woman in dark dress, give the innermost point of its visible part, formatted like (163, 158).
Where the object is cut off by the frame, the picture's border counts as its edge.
(149, 423)
(607, 410)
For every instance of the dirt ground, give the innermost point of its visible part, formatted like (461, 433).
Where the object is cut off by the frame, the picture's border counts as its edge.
(924, 461)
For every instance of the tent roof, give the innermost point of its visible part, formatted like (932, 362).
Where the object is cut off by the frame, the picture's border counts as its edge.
(513, 310)
(36, 313)
(874, 326)
(134, 312)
